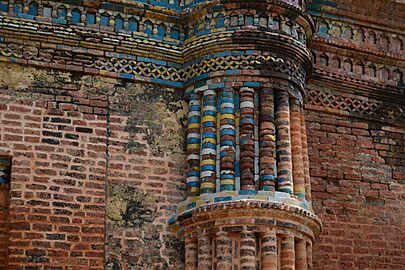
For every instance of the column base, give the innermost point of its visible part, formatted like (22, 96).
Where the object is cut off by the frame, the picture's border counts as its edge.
(257, 229)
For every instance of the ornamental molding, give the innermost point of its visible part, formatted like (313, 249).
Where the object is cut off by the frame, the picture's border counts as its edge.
(348, 104)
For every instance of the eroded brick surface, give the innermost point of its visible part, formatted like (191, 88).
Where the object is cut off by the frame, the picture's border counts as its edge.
(71, 151)
(357, 170)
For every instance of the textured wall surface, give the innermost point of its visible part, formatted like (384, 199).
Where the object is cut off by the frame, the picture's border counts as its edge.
(358, 173)
(72, 147)
(93, 114)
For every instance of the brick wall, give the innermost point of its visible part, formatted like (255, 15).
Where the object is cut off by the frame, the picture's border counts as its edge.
(358, 177)
(146, 170)
(75, 141)
(57, 184)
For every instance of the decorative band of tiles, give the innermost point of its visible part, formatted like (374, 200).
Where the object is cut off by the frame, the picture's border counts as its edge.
(164, 72)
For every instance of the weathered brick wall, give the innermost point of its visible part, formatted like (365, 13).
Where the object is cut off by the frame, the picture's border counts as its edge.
(75, 140)
(147, 162)
(358, 188)
(57, 181)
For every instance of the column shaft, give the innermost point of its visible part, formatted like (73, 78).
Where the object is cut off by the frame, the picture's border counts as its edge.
(284, 162)
(287, 253)
(204, 253)
(301, 255)
(248, 251)
(224, 251)
(209, 142)
(309, 256)
(228, 134)
(305, 158)
(267, 140)
(247, 144)
(193, 145)
(269, 251)
(191, 256)
(296, 148)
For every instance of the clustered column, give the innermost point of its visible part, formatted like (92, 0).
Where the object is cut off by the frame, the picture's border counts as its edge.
(247, 144)
(194, 144)
(228, 140)
(265, 251)
(209, 142)
(305, 158)
(269, 251)
(224, 251)
(267, 141)
(215, 124)
(284, 161)
(296, 147)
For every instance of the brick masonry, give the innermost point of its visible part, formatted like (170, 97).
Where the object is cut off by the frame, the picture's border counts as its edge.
(358, 173)
(105, 148)
(73, 147)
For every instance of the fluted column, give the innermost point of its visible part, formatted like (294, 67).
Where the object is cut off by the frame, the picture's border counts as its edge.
(247, 250)
(204, 253)
(193, 145)
(191, 256)
(209, 142)
(227, 138)
(305, 158)
(287, 253)
(300, 255)
(267, 140)
(247, 145)
(284, 162)
(296, 148)
(269, 251)
(224, 251)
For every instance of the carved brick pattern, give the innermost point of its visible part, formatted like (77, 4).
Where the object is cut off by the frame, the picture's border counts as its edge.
(353, 105)
(152, 70)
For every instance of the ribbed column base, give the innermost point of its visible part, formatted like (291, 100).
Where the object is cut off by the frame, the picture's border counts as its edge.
(248, 235)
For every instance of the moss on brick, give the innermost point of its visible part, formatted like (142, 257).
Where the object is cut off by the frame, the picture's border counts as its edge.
(127, 207)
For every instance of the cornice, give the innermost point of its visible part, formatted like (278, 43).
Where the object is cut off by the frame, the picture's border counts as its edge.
(119, 54)
(351, 84)
(341, 10)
